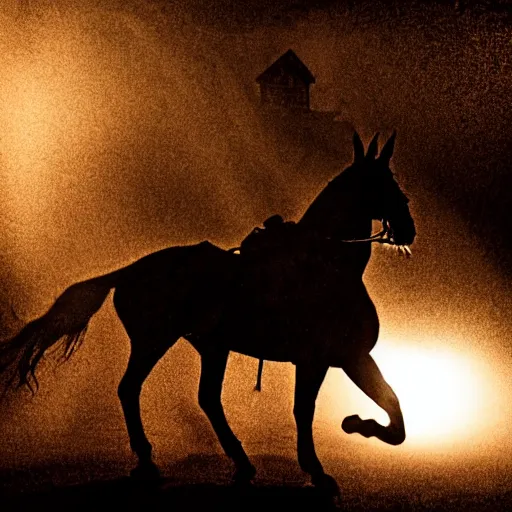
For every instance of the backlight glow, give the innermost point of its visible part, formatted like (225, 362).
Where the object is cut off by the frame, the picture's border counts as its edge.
(444, 394)
(441, 393)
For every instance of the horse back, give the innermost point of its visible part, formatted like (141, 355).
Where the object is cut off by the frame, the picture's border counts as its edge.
(179, 289)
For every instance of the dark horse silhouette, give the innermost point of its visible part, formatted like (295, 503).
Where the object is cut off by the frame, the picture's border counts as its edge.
(306, 303)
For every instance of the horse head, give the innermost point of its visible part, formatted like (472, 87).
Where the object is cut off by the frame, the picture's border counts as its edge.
(382, 197)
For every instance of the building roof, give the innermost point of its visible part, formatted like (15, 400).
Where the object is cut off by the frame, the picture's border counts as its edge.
(291, 64)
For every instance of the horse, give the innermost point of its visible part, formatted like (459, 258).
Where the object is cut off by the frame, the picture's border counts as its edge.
(309, 306)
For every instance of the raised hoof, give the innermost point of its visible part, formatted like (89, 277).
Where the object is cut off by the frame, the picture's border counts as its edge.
(395, 437)
(146, 472)
(244, 476)
(326, 484)
(351, 424)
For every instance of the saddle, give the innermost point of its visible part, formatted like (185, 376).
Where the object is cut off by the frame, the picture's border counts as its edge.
(270, 262)
(267, 254)
(276, 236)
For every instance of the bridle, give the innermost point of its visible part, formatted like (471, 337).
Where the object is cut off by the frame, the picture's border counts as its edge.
(382, 237)
(385, 236)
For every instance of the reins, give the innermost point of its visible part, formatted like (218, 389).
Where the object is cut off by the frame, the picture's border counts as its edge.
(379, 238)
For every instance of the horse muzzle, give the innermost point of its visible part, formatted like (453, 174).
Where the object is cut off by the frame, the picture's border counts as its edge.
(401, 233)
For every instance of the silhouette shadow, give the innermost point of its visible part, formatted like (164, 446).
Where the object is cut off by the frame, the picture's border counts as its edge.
(124, 493)
(292, 292)
(203, 483)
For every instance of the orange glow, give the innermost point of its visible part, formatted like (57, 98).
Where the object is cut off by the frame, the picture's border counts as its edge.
(441, 392)
(125, 130)
(445, 394)
(29, 123)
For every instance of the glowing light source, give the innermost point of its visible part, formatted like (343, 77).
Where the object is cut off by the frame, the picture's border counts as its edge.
(444, 394)
(441, 393)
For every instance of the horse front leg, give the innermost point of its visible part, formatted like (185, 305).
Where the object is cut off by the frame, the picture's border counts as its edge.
(364, 372)
(308, 380)
(213, 367)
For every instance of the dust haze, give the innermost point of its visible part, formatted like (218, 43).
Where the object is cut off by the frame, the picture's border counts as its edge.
(127, 127)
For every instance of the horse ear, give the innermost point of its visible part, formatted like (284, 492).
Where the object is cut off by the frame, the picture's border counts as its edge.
(372, 148)
(387, 150)
(358, 148)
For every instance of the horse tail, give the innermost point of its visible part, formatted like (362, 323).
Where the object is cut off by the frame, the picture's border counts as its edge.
(64, 326)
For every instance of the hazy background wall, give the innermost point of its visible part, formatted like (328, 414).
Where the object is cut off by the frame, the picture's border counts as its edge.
(131, 126)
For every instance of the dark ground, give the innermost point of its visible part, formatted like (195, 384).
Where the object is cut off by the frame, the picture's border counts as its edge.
(204, 483)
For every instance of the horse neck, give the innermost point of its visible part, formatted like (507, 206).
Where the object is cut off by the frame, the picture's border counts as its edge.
(337, 214)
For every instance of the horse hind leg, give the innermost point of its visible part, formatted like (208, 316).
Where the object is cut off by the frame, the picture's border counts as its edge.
(213, 367)
(364, 372)
(143, 358)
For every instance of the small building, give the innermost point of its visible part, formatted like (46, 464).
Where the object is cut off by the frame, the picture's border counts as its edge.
(286, 83)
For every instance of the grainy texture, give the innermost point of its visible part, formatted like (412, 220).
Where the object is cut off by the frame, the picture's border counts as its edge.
(128, 126)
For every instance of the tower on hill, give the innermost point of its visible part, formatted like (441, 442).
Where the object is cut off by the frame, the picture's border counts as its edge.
(286, 82)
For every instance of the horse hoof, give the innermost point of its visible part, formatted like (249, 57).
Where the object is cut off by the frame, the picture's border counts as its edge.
(244, 475)
(146, 471)
(326, 484)
(395, 437)
(351, 424)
